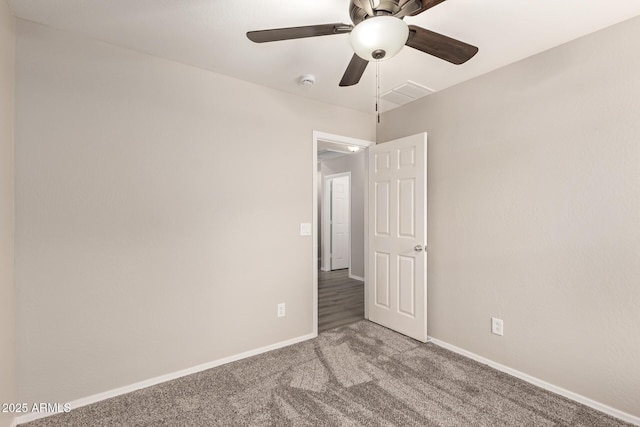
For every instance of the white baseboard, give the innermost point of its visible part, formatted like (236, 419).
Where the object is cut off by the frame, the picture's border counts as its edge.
(354, 277)
(163, 378)
(540, 383)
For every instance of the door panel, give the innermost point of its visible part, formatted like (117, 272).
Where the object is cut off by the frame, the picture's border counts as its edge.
(382, 208)
(381, 162)
(340, 222)
(397, 235)
(381, 279)
(406, 208)
(406, 285)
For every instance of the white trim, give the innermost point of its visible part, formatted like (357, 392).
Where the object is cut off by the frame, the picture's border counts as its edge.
(338, 139)
(366, 233)
(163, 378)
(354, 277)
(540, 383)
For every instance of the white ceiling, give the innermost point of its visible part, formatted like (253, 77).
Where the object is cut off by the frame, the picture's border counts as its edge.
(332, 150)
(210, 34)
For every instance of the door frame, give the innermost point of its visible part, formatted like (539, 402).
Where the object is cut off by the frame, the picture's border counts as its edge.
(344, 140)
(325, 239)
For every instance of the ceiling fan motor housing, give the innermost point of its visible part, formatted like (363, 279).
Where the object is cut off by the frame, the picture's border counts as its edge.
(386, 7)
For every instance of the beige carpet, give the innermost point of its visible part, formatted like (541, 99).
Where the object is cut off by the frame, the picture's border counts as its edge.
(357, 375)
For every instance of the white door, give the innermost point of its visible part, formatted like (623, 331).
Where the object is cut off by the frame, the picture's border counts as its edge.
(340, 222)
(397, 266)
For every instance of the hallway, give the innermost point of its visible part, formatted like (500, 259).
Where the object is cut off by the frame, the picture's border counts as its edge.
(340, 299)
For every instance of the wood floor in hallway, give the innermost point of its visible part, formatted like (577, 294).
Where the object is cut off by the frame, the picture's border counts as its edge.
(340, 299)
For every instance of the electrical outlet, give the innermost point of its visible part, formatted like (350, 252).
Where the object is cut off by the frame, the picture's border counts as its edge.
(497, 326)
(281, 310)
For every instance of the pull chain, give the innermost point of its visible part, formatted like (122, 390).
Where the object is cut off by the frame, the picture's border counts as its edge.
(378, 89)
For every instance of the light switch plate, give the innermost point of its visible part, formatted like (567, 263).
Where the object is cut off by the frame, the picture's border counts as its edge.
(305, 229)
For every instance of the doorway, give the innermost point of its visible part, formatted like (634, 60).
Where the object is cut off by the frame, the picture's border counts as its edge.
(335, 236)
(334, 287)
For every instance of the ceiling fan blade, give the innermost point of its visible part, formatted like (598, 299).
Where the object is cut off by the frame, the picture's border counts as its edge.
(408, 7)
(278, 34)
(354, 71)
(426, 4)
(440, 46)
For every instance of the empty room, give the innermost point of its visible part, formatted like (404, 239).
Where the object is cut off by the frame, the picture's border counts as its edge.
(340, 212)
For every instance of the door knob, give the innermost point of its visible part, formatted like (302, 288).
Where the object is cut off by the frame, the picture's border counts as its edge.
(418, 248)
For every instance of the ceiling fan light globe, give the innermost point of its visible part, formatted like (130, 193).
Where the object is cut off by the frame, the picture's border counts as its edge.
(379, 33)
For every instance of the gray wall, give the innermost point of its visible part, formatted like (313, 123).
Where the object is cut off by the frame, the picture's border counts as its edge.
(142, 188)
(7, 295)
(353, 163)
(534, 213)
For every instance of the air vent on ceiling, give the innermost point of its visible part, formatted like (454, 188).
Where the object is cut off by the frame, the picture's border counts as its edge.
(405, 93)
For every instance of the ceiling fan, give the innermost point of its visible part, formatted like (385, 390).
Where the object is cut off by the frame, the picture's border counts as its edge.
(378, 33)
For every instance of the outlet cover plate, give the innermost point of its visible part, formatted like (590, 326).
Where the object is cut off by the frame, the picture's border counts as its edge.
(497, 326)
